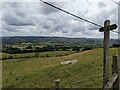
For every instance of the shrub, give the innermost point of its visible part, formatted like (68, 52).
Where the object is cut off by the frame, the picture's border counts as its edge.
(86, 48)
(116, 45)
(47, 56)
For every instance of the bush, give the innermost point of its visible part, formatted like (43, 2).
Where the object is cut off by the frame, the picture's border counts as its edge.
(116, 45)
(86, 48)
(29, 47)
(47, 56)
(11, 57)
(4, 58)
(13, 50)
(76, 48)
(36, 54)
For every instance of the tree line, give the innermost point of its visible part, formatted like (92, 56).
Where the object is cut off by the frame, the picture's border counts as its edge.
(31, 49)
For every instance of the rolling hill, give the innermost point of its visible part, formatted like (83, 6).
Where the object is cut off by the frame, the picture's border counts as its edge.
(42, 72)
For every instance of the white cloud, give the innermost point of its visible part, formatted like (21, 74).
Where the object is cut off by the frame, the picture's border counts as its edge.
(20, 18)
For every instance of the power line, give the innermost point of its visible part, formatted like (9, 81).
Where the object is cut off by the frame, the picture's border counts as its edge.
(115, 2)
(71, 14)
(116, 32)
(75, 15)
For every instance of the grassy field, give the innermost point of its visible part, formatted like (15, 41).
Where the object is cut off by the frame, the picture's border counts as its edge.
(42, 72)
(42, 54)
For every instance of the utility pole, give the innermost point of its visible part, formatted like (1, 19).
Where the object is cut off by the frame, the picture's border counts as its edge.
(106, 29)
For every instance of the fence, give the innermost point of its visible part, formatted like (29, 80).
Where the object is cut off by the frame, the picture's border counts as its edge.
(114, 81)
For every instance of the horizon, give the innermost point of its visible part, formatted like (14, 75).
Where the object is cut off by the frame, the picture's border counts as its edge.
(57, 37)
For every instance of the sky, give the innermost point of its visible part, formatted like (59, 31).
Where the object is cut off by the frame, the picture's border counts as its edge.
(28, 18)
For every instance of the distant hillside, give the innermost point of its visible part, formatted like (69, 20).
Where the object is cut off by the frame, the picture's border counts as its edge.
(34, 39)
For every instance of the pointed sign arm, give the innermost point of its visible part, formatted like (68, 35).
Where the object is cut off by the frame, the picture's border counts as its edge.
(111, 27)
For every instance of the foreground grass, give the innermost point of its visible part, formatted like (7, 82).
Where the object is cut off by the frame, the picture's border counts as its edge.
(41, 72)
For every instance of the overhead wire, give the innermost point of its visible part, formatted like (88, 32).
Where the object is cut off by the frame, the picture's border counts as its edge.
(115, 2)
(119, 5)
(65, 11)
(116, 32)
(71, 13)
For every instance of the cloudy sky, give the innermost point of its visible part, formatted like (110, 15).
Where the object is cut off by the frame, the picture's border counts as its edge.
(39, 19)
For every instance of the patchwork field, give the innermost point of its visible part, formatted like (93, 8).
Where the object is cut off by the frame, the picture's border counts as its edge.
(32, 55)
(42, 72)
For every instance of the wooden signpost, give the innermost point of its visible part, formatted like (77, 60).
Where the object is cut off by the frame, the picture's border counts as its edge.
(106, 29)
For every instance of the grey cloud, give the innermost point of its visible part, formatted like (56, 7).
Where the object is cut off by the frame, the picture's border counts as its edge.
(46, 27)
(101, 4)
(92, 27)
(56, 23)
(45, 9)
(65, 31)
(14, 4)
(101, 17)
(78, 29)
(18, 16)
(16, 21)
(58, 28)
(8, 27)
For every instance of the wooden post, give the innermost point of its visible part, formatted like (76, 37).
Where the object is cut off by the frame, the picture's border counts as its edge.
(106, 29)
(115, 70)
(118, 64)
(57, 84)
(106, 53)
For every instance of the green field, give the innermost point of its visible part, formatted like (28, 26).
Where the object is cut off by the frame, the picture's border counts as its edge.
(42, 72)
(41, 54)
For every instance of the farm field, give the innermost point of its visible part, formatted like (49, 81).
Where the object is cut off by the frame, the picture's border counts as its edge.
(42, 72)
(40, 54)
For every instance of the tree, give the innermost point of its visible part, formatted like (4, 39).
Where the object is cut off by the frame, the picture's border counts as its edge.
(76, 48)
(116, 45)
(13, 50)
(36, 54)
(86, 48)
(66, 48)
(29, 47)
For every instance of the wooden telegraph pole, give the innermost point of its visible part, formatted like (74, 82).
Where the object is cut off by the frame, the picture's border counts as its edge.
(106, 29)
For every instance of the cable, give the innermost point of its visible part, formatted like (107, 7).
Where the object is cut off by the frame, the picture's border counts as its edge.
(116, 32)
(71, 13)
(115, 2)
(74, 14)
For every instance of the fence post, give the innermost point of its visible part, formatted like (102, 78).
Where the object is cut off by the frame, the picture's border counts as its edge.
(118, 64)
(115, 70)
(57, 84)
